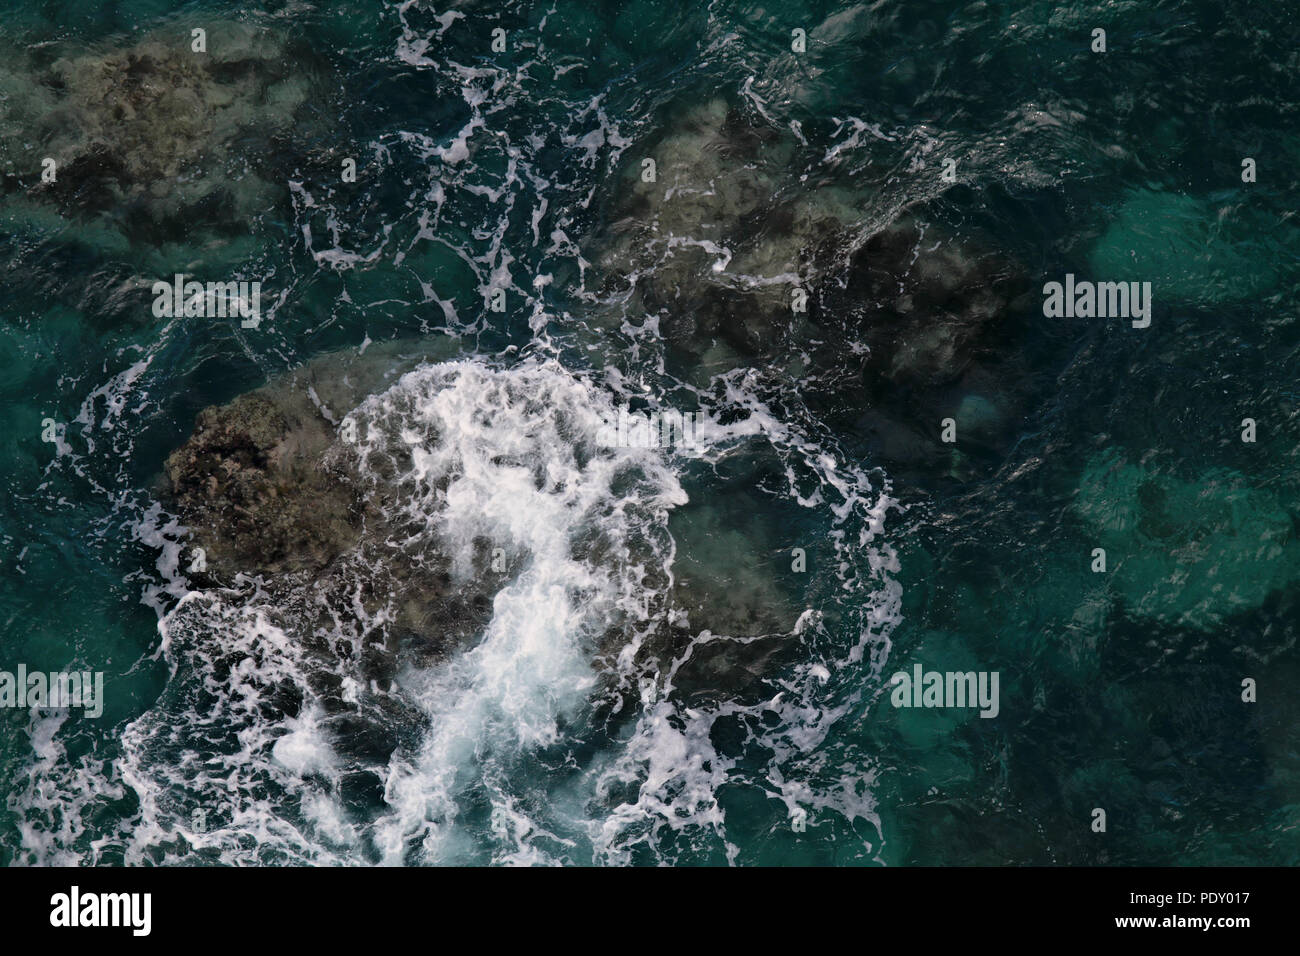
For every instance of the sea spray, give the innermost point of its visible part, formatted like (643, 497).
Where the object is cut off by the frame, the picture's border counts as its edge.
(513, 458)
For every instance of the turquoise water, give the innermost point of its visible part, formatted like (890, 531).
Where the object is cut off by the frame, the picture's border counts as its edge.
(653, 677)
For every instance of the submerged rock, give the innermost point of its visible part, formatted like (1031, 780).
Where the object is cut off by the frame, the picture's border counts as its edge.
(710, 246)
(1187, 553)
(934, 306)
(1190, 251)
(155, 136)
(743, 262)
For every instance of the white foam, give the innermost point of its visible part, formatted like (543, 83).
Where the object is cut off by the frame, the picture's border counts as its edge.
(511, 456)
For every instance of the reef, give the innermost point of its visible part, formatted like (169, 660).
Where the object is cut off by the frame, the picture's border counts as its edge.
(1187, 553)
(269, 491)
(903, 324)
(150, 147)
(741, 264)
(296, 502)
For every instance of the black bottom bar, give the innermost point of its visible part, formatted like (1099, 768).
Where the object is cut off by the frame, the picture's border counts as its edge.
(339, 907)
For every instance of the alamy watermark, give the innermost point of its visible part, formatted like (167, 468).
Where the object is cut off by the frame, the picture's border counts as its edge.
(77, 909)
(191, 300)
(666, 429)
(56, 690)
(1100, 300)
(924, 688)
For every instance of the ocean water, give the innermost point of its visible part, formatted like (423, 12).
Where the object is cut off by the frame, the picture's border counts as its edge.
(465, 620)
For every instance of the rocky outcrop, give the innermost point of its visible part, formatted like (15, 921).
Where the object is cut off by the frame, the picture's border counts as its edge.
(341, 537)
(269, 489)
(934, 304)
(903, 319)
(258, 491)
(711, 246)
(157, 137)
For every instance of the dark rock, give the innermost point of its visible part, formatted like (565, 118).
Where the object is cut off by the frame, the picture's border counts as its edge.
(258, 495)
